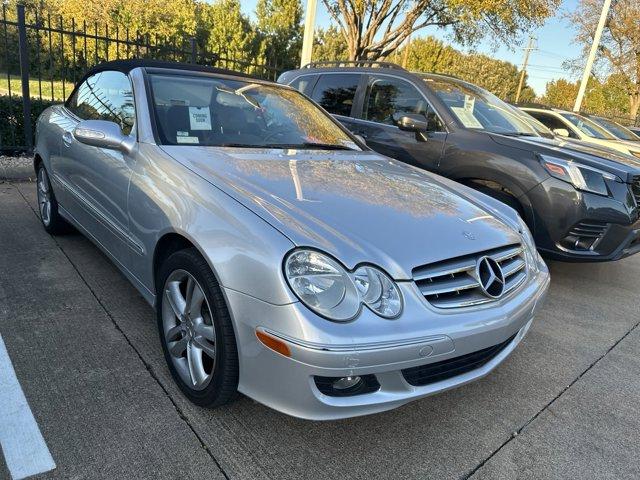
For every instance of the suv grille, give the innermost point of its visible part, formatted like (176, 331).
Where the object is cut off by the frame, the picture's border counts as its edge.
(455, 283)
(635, 189)
(436, 372)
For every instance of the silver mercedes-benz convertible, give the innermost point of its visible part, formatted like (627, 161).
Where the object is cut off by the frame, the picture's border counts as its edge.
(284, 259)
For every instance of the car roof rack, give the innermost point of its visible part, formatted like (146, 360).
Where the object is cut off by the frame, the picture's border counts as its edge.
(353, 63)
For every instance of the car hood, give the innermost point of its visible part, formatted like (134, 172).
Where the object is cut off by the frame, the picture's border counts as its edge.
(356, 206)
(625, 166)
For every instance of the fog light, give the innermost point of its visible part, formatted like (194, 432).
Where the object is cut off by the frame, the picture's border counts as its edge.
(347, 386)
(346, 383)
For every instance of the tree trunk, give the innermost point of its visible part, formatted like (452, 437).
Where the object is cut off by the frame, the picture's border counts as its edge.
(634, 103)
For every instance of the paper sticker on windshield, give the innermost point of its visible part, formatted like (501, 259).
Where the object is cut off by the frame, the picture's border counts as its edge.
(466, 117)
(200, 118)
(193, 140)
(469, 103)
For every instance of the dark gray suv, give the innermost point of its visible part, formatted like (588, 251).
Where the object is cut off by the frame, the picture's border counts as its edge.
(580, 202)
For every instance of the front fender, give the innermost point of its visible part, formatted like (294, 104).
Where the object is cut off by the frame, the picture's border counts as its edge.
(244, 252)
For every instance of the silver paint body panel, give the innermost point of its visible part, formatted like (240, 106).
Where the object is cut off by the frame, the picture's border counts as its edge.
(245, 209)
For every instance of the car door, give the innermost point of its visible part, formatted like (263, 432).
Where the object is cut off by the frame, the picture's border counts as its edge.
(336, 93)
(386, 100)
(97, 179)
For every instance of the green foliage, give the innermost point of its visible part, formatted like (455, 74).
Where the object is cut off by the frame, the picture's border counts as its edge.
(433, 56)
(225, 30)
(329, 44)
(12, 126)
(609, 98)
(279, 28)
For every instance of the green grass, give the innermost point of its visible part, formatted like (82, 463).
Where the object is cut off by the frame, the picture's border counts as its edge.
(34, 88)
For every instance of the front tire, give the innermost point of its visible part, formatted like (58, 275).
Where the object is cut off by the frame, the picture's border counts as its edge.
(51, 220)
(195, 329)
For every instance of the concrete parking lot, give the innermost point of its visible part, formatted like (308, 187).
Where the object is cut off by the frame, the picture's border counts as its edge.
(85, 350)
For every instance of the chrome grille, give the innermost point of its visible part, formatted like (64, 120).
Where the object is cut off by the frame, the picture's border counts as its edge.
(454, 283)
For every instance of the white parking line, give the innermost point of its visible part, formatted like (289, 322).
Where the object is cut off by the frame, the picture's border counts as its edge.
(24, 449)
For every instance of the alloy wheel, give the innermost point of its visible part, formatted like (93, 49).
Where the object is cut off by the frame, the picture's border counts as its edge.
(189, 333)
(44, 196)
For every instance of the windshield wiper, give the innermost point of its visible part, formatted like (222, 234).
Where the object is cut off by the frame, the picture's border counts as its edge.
(517, 134)
(308, 146)
(300, 146)
(239, 145)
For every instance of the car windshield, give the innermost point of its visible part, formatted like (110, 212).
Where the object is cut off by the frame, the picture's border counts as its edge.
(618, 130)
(478, 109)
(207, 111)
(586, 126)
(540, 127)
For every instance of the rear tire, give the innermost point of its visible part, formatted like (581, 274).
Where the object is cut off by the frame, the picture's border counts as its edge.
(51, 219)
(195, 329)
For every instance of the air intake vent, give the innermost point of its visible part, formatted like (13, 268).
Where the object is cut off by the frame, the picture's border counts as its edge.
(585, 235)
(635, 189)
(436, 372)
(471, 279)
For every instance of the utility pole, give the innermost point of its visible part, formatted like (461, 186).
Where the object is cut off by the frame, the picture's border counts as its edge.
(309, 27)
(405, 54)
(525, 62)
(592, 55)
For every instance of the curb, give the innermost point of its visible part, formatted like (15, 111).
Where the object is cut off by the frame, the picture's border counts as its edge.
(16, 169)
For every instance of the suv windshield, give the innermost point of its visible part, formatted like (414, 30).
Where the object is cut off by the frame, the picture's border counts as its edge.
(201, 110)
(478, 109)
(586, 126)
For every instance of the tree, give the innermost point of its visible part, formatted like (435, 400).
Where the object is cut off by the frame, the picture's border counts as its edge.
(279, 25)
(224, 29)
(560, 93)
(373, 29)
(602, 98)
(329, 44)
(619, 47)
(434, 56)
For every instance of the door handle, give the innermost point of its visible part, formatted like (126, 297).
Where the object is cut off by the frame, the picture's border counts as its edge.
(67, 138)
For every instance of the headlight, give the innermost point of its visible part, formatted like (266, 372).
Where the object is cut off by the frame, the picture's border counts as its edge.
(328, 289)
(378, 292)
(580, 176)
(531, 252)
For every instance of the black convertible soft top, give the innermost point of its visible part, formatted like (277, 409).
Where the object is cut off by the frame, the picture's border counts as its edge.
(125, 66)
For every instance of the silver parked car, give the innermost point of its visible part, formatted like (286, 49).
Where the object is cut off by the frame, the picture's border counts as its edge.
(284, 259)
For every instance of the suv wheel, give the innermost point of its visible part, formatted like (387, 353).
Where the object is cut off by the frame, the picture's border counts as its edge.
(196, 331)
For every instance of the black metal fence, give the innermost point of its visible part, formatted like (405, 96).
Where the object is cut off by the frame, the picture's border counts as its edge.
(44, 57)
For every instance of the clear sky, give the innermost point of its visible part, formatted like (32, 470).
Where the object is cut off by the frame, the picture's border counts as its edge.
(554, 44)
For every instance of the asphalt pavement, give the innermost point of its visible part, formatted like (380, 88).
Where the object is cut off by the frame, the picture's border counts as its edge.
(85, 350)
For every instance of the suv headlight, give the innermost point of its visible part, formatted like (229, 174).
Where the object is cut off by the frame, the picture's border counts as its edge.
(331, 291)
(582, 177)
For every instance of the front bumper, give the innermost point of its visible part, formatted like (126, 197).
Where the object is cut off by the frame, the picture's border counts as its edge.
(333, 350)
(561, 210)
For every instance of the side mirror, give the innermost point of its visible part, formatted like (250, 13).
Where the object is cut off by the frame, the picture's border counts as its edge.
(361, 139)
(103, 134)
(562, 132)
(412, 122)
